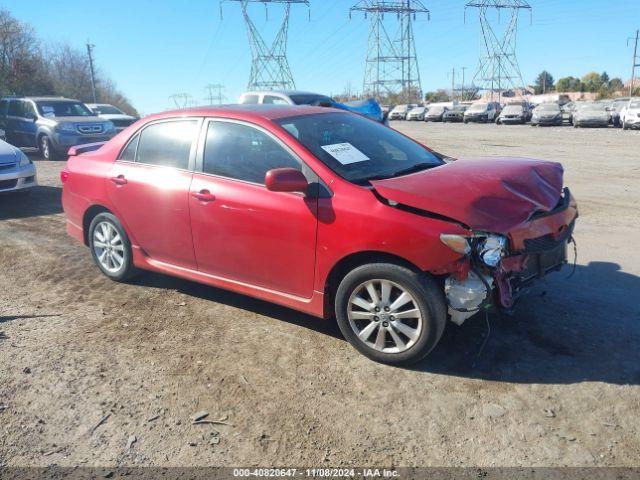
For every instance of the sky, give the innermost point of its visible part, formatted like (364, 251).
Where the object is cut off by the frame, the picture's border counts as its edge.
(155, 48)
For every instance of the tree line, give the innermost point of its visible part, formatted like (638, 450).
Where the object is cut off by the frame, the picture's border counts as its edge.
(28, 68)
(592, 82)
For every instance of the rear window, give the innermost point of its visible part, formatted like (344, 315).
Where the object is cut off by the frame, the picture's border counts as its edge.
(167, 144)
(307, 99)
(249, 99)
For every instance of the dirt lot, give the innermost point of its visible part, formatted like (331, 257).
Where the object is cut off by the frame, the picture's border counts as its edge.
(556, 384)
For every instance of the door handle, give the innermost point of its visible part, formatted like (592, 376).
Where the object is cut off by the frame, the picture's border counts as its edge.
(119, 180)
(203, 196)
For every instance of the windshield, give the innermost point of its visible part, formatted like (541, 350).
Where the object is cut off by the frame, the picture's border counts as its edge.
(436, 110)
(634, 105)
(107, 110)
(548, 107)
(401, 108)
(310, 99)
(619, 105)
(418, 110)
(50, 109)
(358, 149)
(478, 107)
(594, 107)
(512, 109)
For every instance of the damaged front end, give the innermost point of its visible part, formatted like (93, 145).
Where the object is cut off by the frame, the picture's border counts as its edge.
(497, 269)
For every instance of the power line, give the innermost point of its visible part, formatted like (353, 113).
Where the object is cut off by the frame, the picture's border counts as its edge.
(392, 64)
(498, 67)
(181, 100)
(269, 67)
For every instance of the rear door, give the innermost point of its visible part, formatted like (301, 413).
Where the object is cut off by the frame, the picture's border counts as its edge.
(241, 231)
(149, 185)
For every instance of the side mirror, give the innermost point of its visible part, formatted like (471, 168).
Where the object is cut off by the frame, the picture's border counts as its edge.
(286, 180)
(31, 116)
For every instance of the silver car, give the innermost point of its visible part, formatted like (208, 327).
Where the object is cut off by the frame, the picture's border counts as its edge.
(17, 171)
(591, 115)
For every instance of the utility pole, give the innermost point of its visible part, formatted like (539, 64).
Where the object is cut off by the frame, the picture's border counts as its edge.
(635, 64)
(453, 83)
(90, 48)
(215, 93)
(462, 97)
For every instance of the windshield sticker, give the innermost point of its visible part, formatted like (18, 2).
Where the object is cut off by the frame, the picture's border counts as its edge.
(345, 153)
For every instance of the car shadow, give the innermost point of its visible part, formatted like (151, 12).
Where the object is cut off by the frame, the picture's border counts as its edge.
(232, 299)
(582, 329)
(39, 201)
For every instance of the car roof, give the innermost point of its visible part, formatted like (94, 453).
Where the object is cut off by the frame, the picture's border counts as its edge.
(245, 111)
(50, 99)
(283, 92)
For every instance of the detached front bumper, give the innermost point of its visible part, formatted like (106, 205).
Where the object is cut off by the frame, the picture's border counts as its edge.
(18, 178)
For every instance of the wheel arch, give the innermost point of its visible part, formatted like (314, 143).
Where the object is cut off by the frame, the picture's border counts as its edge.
(90, 213)
(354, 260)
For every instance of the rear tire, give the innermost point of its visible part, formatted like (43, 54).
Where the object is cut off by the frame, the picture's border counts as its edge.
(366, 301)
(111, 248)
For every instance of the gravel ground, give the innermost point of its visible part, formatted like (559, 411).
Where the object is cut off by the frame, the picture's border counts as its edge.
(102, 374)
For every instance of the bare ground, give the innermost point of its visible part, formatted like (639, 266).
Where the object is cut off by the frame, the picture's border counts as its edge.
(556, 384)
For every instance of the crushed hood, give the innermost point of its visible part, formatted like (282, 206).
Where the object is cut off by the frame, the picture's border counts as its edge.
(489, 194)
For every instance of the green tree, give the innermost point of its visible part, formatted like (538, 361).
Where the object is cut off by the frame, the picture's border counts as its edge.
(544, 82)
(592, 82)
(568, 84)
(604, 78)
(437, 96)
(615, 84)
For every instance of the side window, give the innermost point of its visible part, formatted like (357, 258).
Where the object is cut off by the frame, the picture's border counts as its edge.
(4, 106)
(28, 109)
(243, 153)
(270, 99)
(167, 144)
(15, 108)
(129, 152)
(250, 99)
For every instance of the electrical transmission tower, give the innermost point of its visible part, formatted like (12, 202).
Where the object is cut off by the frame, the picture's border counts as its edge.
(498, 68)
(182, 100)
(392, 64)
(269, 67)
(215, 94)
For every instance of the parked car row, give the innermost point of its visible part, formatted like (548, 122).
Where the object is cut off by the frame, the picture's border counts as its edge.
(619, 113)
(54, 124)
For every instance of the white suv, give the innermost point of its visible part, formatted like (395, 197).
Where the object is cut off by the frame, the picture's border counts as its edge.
(285, 97)
(630, 114)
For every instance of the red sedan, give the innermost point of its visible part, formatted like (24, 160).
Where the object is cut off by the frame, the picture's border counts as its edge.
(322, 211)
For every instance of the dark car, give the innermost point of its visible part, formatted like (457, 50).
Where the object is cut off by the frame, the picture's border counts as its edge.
(456, 114)
(547, 114)
(514, 114)
(52, 124)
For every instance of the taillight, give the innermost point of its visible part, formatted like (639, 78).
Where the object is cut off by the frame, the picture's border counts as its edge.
(64, 176)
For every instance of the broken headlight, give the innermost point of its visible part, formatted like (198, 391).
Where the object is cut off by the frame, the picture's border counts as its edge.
(492, 249)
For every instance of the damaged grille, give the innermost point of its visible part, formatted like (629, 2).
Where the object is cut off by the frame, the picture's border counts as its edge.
(546, 242)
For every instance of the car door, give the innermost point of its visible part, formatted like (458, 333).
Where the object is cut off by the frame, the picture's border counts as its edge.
(241, 231)
(14, 118)
(149, 186)
(27, 127)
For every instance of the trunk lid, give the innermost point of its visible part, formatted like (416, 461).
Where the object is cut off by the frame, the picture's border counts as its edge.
(489, 194)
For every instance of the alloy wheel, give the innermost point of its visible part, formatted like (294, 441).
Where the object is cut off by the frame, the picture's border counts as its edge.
(46, 153)
(385, 316)
(108, 247)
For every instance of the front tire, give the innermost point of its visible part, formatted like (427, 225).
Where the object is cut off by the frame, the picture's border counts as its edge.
(111, 248)
(46, 149)
(389, 313)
